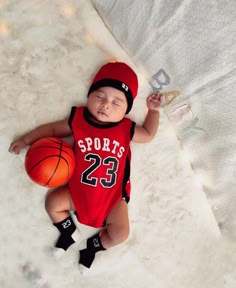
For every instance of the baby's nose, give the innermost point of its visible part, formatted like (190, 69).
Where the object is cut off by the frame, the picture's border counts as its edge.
(105, 104)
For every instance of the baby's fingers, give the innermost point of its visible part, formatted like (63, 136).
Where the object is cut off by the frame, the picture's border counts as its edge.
(14, 149)
(156, 98)
(17, 146)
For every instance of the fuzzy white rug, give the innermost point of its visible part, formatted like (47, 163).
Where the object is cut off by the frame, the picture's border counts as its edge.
(48, 53)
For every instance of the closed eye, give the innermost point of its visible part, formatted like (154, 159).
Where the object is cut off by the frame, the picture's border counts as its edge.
(116, 104)
(99, 97)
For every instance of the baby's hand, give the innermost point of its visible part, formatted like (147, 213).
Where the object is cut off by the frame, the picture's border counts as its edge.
(17, 146)
(154, 101)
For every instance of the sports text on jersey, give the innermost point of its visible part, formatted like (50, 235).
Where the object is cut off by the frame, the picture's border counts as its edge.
(101, 144)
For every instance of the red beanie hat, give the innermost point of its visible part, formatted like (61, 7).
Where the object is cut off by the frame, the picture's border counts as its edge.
(120, 76)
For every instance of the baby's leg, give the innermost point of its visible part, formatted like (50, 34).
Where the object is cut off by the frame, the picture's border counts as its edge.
(58, 204)
(116, 232)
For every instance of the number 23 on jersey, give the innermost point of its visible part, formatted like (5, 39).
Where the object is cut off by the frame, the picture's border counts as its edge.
(111, 164)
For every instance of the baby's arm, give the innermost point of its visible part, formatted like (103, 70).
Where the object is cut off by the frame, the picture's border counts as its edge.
(147, 131)
(54, 129)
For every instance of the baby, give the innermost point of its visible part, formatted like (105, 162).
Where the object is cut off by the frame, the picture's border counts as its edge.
(99, 189)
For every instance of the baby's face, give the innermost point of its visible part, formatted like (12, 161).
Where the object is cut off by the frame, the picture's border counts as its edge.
(107, 104)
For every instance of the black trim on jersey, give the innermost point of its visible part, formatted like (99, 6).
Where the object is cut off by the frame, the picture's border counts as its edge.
(126, 179)
(132, 130)
(72, 114)
(88, 117)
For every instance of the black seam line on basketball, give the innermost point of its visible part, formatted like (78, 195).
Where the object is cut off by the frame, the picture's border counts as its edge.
(61, 157)
(57, 142)
(47, 157)
(58, 148)
(54, 141)
(55, 155)
(68, 169)
(58, 162)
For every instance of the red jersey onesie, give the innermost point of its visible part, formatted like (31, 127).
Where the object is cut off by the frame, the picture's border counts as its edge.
(101, 176)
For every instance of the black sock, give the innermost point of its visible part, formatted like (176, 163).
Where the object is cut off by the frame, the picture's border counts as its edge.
(87, 255)
(67, 229)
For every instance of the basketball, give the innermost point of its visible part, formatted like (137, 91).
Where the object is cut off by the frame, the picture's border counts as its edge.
(50, 162)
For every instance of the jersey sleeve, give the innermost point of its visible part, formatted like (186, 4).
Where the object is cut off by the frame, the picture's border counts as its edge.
(71, 117)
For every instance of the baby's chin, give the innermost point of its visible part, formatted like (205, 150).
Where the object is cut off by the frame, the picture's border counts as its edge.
(100, 119)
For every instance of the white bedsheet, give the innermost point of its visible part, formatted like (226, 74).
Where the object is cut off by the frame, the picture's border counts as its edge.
(190, 45)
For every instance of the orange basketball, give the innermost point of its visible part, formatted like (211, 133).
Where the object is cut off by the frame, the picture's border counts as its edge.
(50, 162)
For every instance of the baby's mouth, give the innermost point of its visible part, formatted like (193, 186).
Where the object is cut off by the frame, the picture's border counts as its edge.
(102, 113)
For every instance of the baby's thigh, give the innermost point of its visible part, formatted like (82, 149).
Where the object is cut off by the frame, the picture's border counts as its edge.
(118, 224)
(59, 199)
(119, 214)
